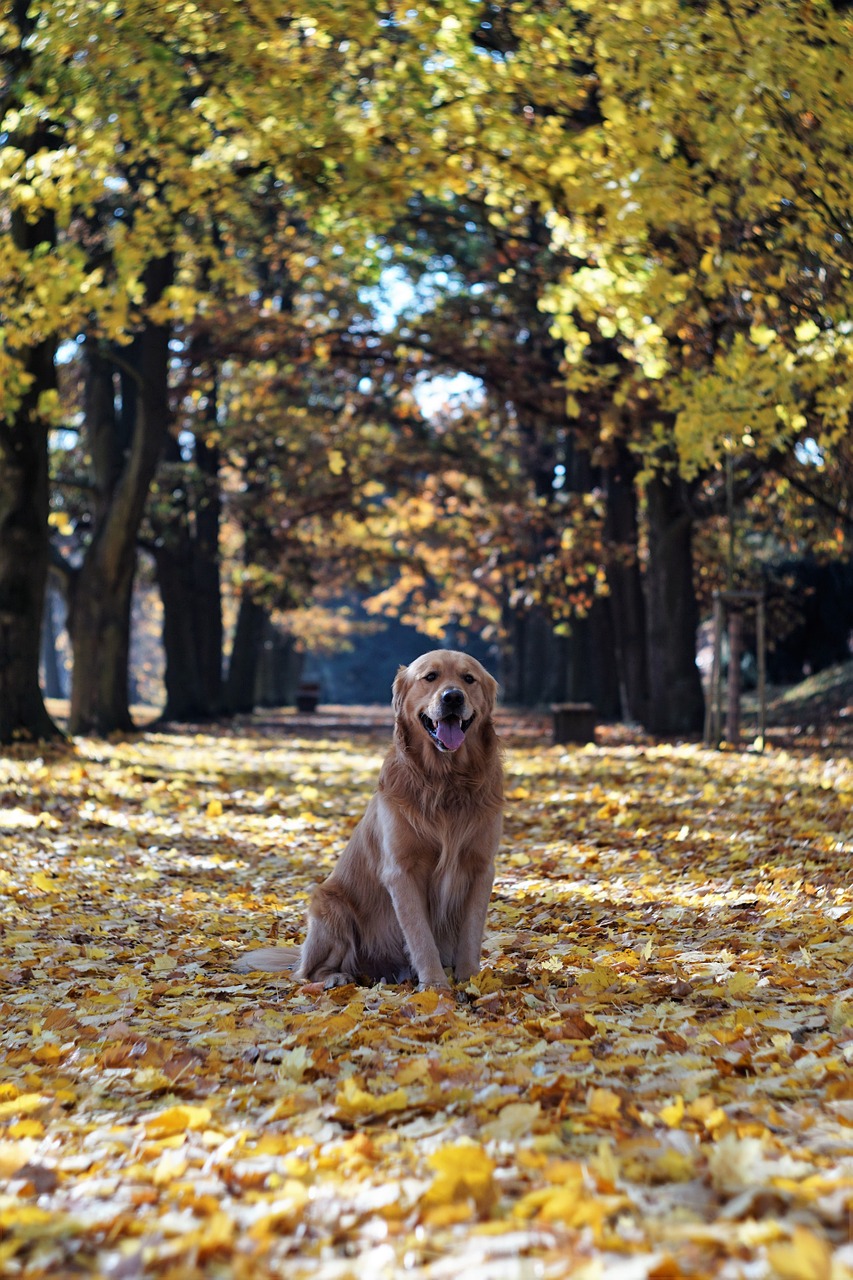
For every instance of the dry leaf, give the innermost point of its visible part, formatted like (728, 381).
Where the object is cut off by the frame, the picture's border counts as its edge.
(648, 1078)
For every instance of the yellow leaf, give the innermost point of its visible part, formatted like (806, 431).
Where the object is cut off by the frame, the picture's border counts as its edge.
(17, 1216)
(214, 809)
(177, 1120)
(43, 882)
(424, 1002)
(339, 1024)
(741, 985)
(47, 1053)
(23, 1105)
(412, 1071)
(604, 1104)
(596, 980)
(285, 1211)
(554, 1204)
(807, 331)
(706, 1111)
(572, 1200)
(674, 1166)
(354, 1103)
(26, 1129)
(337, 462)
(762, 335)
(169, 1168)
(486, 981)
(150, 1080)
(673, 1114)
(448, 1215)
(274, 1144)
(464, 1173)
(216, 1233)
(805, 1257)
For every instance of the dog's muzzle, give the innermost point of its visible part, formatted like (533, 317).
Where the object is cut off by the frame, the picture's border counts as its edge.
(448, 729)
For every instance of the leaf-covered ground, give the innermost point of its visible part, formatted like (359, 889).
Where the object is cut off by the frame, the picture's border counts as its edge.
(651, 1077)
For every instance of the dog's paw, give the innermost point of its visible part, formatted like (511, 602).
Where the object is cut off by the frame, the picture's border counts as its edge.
(337, 980)
(436, 985)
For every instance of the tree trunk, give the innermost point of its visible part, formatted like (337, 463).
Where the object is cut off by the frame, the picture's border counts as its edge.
(597, 673)
(245, 655)
(100, 609)
(24, 558)
(279, 668)
(528, 676)
(24, 531)
(207, 586)
(187, 562)
(173, 566)
(100, 635)
(676, 704)
(626, 602)
(541, 667)
(191, 622)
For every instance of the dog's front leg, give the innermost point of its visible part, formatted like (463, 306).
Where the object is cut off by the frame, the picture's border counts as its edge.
(466, 961)
(481, 862)
(403, 871)
(410, 909)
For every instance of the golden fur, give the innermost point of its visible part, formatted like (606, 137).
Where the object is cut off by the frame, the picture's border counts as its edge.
(409, 895)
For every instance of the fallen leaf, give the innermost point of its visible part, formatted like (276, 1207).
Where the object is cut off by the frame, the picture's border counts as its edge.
(164, 1124)
(354, 1103)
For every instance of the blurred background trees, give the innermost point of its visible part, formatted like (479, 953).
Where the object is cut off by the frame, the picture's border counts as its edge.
(528, 325)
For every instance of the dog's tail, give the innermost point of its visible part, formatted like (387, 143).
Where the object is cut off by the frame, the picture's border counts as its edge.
(269, 959)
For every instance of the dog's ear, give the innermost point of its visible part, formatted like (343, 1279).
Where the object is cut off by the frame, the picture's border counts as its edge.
(398, 690)
(491, 687)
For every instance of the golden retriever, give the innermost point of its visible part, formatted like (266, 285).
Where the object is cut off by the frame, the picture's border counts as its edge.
(408, 897)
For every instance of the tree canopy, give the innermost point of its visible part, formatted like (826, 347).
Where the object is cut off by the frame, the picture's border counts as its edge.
(630, 223)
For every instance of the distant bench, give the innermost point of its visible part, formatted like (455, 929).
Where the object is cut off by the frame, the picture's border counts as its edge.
(573, 722)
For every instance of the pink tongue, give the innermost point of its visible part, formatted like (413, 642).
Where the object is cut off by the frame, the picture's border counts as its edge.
(449, 734)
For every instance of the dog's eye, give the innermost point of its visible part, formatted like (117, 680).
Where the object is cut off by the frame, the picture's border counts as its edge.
(433, 675)
(469, 679)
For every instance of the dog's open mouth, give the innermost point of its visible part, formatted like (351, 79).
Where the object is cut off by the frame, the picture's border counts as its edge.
(447, 734)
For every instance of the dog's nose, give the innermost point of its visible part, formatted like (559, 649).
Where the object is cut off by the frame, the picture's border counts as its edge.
(452, 699)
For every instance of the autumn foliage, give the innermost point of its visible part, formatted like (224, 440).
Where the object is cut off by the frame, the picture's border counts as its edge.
(245, 251)
(239, 246)
(650, 1077)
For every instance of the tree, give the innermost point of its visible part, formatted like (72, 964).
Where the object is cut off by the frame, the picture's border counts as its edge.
(184, 514)
(477, 289)
(26, 370)
(662, 193)
(717, 260)
(99, 615)
(155, 121)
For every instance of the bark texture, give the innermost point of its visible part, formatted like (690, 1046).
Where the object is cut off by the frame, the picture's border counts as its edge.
(24, 502)
(126, 449)
(626, 601)
(186, 556)
(240, 687)
(24, 558)
(676, 704)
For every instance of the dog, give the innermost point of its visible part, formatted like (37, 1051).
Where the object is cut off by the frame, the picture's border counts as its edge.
(409, 895)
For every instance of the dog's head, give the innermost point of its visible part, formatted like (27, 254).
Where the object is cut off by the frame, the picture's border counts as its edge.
(444, 696)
